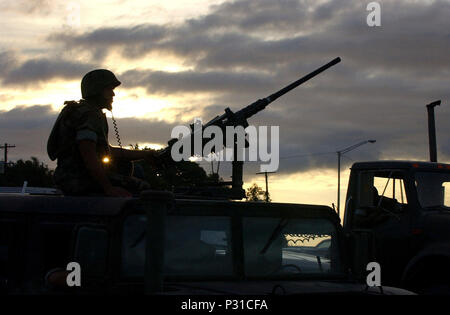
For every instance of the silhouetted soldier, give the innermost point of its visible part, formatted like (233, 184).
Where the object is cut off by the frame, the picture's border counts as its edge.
(79, 140)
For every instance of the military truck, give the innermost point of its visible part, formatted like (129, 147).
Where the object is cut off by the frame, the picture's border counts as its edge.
(398, 214)
(158, 244)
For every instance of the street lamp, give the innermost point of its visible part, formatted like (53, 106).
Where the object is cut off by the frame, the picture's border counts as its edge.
(339, 153)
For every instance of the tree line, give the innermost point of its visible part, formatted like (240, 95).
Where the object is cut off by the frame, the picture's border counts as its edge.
(179, 174)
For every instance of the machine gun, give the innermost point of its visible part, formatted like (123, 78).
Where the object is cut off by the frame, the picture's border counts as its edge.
(238, 118)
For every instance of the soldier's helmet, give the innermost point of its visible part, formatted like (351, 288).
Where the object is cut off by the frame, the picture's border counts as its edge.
(95, 81)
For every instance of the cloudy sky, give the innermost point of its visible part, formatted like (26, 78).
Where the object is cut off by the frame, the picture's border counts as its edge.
(193, 58)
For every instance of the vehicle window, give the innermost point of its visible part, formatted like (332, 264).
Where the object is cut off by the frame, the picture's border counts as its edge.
(382, 188)
(446, 194)
(289, 247)
(381, 195)
(392, 188)
(194, 246)
(433, 189)
(324, 244)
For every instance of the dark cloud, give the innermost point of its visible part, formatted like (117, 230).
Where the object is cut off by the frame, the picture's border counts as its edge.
(195, 81)
(278, 16)
(35, 71)
(196, 39)
(7, 62)
(234, 34)
(132, 41)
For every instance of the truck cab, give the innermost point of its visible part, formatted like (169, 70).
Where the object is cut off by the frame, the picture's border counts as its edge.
(398, 214)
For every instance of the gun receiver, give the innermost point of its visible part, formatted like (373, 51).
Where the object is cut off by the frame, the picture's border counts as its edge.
(240, 119)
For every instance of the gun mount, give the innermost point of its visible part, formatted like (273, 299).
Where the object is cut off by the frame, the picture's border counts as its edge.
(239, 118)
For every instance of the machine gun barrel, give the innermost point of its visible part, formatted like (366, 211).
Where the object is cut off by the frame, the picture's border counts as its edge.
(260, 104)
(240, 117)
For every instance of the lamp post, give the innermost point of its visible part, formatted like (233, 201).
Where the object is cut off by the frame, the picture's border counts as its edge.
(339, 154)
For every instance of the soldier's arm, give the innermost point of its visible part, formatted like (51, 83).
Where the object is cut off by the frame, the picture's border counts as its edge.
(88, 153)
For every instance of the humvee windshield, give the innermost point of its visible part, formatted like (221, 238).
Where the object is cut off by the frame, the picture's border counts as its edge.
(208, 246)
(274, 246)
(433, 189)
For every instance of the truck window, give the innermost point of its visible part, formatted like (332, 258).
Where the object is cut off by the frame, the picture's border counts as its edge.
(385, 188)
(381, 195)
(393, 188)
(433, 189)
(289, 247)
(446, 194)
(194, 246)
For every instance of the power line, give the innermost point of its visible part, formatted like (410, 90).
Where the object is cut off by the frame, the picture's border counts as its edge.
(5, 147)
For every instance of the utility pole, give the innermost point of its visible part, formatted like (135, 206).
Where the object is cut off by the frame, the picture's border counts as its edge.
(267, 183)
(5, 147)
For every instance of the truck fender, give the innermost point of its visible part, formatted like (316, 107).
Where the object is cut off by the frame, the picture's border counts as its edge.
(433, 251)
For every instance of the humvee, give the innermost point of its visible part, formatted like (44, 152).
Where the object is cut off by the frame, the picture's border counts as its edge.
(158, 244)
